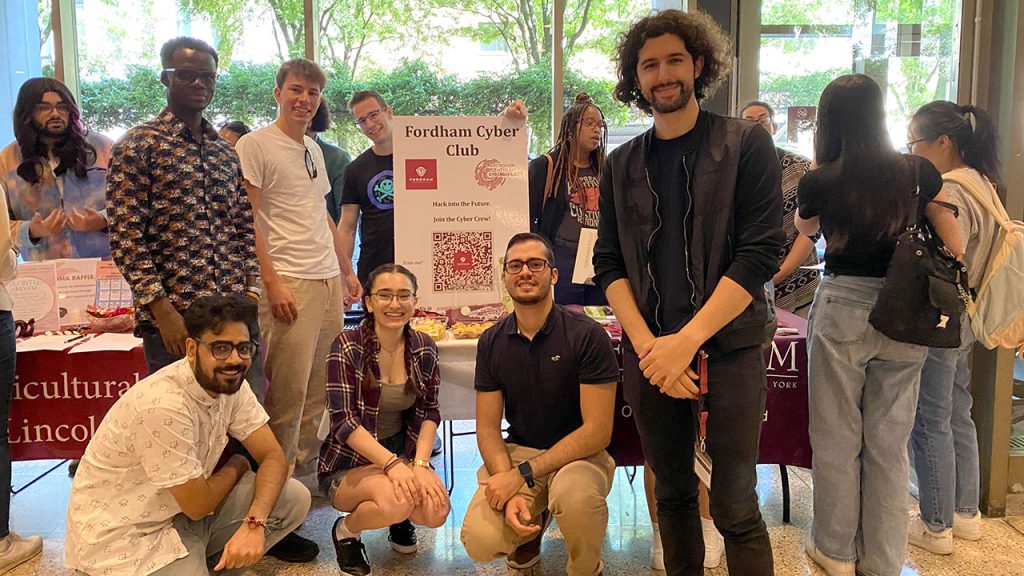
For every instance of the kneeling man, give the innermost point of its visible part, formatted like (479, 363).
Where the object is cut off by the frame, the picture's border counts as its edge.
(552, 373)
(148, 498)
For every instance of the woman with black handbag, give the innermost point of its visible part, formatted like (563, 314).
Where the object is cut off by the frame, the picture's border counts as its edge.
(962, 143)
(863, 384)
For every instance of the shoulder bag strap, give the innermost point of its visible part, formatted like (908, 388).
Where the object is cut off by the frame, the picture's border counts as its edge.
(989, 201)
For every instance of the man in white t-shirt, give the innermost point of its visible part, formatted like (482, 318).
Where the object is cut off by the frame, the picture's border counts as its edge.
(301, 261)
(149, 497)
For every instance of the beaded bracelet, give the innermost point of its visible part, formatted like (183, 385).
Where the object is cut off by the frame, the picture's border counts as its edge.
(390, 464)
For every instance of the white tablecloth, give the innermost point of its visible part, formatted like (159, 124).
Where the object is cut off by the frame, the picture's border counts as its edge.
(457, 360)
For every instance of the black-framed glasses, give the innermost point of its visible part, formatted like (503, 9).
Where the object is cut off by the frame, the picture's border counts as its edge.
(46, 108)
(371, 117)
(387, 296)
(221, 350)
(189, 75)
(910, 145)
(590, 124)
(533, 264)
(310, 165)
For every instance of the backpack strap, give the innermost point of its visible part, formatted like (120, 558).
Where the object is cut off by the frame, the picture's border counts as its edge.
(987, 198)
(547, 182)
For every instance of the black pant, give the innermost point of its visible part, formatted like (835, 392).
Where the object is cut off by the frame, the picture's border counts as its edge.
(668, 429)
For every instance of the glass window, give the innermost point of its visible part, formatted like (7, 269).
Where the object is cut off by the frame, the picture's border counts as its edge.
(119, 45)
(909, 48)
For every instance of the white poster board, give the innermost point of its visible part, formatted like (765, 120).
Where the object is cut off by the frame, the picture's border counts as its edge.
(34, 292)
(76, 290)
(460, 194)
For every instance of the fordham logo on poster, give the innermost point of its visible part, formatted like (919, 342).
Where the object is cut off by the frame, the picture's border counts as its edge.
(421, 174)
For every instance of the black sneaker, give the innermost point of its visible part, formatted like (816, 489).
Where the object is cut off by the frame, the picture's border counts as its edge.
(403, 537)
(295, 549)
(351, 553)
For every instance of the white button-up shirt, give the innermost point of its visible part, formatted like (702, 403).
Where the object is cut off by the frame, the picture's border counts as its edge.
(165, 431)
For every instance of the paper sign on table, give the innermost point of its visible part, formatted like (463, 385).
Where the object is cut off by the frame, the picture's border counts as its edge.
(112, 290)
(108, 341)
(76, 289)
(34, 292)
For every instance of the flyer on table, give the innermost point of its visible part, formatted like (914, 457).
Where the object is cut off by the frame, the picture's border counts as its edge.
(460, 194)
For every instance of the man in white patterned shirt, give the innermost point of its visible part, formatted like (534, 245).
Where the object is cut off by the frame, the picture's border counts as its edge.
(149, 498)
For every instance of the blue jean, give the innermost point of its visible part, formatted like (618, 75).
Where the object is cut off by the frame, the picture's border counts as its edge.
(945, 440)
(8, 355)
(863, 392)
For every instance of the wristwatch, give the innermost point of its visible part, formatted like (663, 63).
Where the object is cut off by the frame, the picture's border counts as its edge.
(527, 473)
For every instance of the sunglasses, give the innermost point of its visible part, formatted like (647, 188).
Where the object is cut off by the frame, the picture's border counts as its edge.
(310, 166)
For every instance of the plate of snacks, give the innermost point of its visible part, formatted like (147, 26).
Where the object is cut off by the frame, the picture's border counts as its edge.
(469, 330)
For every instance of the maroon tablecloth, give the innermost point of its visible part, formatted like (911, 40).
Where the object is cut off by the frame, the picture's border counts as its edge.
(784, 437)
(59, 399)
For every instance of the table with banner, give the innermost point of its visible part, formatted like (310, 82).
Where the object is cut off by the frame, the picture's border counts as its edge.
(784, 439)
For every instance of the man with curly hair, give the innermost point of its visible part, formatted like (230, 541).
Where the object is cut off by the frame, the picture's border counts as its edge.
(690, 230)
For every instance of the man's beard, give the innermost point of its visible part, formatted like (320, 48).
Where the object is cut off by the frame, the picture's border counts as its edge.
(536, 298)
(219, 383)
(673, 105)
(48, 132)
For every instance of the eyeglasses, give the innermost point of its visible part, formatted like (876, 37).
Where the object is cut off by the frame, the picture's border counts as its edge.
(910, 145)
(46, 108)
(387, 296)
(222, 350)
(189, 75)
(534, 264)
(590, 124)
(310, 166)
(371, 117)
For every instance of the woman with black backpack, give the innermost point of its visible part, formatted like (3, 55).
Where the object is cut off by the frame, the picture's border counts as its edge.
(863, 385)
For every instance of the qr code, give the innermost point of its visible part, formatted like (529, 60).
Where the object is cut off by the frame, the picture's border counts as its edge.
(463, 262)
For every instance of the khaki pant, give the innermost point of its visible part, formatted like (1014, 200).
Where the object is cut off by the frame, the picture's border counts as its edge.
(296, 366)
(574, 494)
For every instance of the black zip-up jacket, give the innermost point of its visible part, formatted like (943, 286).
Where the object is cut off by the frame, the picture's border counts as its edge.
(737, 224)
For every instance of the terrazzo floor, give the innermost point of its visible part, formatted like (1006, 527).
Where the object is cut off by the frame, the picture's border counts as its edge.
(40, 509)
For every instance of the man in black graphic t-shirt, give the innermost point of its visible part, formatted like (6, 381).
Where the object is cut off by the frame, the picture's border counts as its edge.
(368, 195)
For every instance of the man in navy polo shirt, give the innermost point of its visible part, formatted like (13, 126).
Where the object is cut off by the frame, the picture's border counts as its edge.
(552, 374)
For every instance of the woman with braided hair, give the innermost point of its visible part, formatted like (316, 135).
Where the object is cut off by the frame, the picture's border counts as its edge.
(563, 193)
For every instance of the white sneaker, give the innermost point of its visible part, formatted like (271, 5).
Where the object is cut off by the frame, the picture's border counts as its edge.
(967, 527)
(657, 551)
(15, 550)
(714, 544)
(831, 566)
(920, 535)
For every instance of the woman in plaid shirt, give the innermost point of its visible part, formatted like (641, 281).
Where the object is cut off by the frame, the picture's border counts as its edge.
(382, 387)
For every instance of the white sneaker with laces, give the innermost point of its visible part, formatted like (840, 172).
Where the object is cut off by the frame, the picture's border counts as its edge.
(714, 544)
(831, 566)
(920, 535)
(657, 551)
(15, 550)
(967, 527)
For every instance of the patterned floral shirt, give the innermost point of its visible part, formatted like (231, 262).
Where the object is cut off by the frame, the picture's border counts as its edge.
(67, 191)
(181, 225)
(163, 432)
(350, 405)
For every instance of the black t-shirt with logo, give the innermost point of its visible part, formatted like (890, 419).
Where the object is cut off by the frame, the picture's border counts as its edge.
(370, 183)
(581, 210)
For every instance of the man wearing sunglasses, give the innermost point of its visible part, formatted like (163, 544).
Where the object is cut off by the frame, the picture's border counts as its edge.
(552, 374)
(180, 221)
(153, 495)
(301, 261)
(55, 173)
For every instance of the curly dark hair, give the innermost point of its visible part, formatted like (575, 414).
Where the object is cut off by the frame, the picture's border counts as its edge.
(73, 152)
(702, 37)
